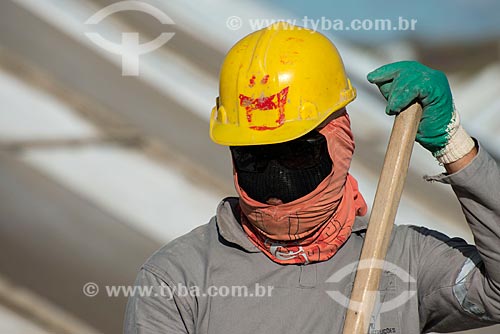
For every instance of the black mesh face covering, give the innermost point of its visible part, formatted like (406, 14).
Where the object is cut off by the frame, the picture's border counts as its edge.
(279, 173)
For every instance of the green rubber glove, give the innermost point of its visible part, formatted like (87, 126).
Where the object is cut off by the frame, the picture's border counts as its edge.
(405, 82)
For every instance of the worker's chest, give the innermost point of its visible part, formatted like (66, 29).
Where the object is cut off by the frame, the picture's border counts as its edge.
(256, 296)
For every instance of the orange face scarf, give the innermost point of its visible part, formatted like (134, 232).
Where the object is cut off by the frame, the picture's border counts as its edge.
(311, 228)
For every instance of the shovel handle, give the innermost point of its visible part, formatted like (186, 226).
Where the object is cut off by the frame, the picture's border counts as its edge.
(385, 206)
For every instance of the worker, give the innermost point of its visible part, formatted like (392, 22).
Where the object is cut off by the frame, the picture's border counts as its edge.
(265, 262)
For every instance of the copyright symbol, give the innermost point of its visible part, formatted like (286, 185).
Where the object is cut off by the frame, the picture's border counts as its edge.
(90, 289)
(234, 22)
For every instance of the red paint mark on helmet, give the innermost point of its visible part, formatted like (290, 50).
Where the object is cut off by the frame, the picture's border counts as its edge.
(273, 102)
(252, 81)
(265, 79)
(294, 39)
(285, 60)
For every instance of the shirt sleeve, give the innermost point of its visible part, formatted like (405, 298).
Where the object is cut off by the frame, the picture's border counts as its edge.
(458, 283)
(155, 307)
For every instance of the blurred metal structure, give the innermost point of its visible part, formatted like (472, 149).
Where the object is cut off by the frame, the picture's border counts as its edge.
(116, 166)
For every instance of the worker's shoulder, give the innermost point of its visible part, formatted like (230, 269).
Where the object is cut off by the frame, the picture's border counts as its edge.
(409, 233)
(185, 256)
(413, 238)
(407, 237)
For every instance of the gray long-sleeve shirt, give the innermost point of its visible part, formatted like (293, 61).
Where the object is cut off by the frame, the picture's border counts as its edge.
(214, 280)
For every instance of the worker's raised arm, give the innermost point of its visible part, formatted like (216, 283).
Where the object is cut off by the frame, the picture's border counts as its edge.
(458, 284)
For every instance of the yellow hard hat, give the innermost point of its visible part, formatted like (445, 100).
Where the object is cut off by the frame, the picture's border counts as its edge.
(278, 84)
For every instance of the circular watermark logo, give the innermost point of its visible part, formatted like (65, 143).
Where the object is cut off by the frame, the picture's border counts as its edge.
(130, 48)
(385, 306)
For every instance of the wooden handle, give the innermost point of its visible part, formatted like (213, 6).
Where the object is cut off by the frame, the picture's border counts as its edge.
(385, 206)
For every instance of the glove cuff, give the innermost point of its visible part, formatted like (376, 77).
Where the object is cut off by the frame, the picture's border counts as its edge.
(459, 144)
